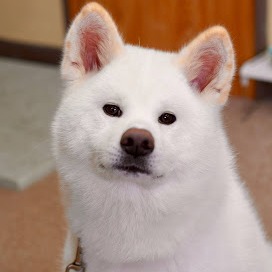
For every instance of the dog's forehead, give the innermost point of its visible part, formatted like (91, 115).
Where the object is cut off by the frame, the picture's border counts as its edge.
(141, 74)
(146, 66)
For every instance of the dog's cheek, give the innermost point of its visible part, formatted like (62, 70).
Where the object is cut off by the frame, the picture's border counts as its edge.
(72, 134)
(165, 153)
(75, 143)
(181, 147)
(105, 144)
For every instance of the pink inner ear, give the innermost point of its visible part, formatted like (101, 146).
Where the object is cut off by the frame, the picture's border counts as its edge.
(207, 69)
(91, 42)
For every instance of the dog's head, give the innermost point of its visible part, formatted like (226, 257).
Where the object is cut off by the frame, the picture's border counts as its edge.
(136, 113)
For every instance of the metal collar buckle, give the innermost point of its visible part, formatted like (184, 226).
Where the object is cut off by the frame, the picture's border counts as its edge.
(77, 265)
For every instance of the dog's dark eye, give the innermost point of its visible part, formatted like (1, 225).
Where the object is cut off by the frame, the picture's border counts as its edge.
(112, 110)
(167, 118)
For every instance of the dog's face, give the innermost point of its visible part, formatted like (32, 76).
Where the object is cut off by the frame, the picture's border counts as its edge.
(137, 113)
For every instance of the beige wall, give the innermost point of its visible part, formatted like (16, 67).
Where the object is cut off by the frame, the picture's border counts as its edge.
(269, 23)
(39, 22)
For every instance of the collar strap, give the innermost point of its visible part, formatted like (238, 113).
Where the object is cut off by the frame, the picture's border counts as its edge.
(77, 265)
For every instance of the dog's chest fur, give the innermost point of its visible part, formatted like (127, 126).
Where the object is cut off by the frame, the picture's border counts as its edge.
(118, 234)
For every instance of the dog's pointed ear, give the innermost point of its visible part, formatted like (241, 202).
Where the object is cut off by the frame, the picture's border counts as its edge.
(208, 64)
(91, 42)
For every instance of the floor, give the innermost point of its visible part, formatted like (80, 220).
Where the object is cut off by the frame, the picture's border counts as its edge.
(32, 228)
(29, 95)
(32, 223)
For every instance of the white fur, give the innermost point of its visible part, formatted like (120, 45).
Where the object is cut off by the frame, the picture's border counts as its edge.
(193, 213)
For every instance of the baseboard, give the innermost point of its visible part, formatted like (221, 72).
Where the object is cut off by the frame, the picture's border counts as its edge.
(30, 52)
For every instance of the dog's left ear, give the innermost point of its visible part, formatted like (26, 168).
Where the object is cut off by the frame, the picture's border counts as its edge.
(208, 64)
(92, 42)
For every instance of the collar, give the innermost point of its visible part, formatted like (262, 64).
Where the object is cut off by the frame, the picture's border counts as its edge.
(77, 264)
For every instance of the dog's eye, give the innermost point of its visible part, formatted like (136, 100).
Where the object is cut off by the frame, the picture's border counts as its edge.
(167, 118)
(112, 110)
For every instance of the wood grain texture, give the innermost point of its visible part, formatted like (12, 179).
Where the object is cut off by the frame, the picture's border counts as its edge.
(169, 24)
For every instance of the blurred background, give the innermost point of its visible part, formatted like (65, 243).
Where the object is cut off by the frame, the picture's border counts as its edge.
(31, 37)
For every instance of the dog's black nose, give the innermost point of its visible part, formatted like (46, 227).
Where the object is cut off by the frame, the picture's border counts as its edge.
(137, 142)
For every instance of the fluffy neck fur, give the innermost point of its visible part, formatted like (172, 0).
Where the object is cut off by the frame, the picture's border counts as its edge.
(120, 221)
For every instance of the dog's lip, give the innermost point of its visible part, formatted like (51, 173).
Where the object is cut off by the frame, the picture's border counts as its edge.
(132, 169)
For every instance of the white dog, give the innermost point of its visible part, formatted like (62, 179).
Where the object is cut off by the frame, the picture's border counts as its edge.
(148, 176)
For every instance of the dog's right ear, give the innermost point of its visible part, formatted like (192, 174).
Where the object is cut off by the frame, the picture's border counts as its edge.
(91, 42)
(208, 63)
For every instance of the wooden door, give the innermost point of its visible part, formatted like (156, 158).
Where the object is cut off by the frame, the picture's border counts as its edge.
(168, 24)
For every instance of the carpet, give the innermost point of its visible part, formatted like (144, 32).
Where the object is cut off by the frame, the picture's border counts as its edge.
(29, 94)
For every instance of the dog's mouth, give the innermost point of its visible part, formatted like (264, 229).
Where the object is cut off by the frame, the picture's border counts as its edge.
(130, 166)
(132, 169)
